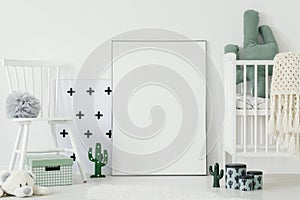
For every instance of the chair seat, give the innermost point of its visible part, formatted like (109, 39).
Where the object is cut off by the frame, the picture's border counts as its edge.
(44, 119)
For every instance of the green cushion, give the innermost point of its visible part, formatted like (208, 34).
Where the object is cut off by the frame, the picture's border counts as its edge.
(232, 48)
(255, 51)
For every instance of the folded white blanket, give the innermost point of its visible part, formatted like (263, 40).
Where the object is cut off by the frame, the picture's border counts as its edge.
(285, 101)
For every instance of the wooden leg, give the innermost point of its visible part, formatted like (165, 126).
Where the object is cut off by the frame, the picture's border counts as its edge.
(75, 149)
(16, 147)
(24, 146)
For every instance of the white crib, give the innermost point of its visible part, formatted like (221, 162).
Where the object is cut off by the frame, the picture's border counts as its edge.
(245, 128)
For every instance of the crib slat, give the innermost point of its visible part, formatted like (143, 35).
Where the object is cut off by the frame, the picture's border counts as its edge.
(255, 108)
(251, 130)
(261, 132)
(245, 107)
(267, 106)
(242, 129)
(297, 144)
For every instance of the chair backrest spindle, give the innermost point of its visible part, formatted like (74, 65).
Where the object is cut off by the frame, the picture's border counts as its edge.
(56, 90)
(24, 78)
(9, 79)
(42, 92)
(17, 78)
(49, 91)
(33, 81)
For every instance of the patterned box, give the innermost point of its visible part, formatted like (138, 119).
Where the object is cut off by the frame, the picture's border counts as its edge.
(258, 179)
(51, 170)
(232, 173)
(246, 182)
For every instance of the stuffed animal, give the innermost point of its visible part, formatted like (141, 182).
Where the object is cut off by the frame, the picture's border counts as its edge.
(20, 184)
(255, 51)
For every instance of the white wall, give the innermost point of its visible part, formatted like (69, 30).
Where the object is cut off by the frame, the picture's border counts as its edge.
(70, 29)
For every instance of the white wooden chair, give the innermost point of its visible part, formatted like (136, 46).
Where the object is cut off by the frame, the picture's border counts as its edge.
(40, 78)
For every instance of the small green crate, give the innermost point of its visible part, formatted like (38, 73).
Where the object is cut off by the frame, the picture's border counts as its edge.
(51, 170)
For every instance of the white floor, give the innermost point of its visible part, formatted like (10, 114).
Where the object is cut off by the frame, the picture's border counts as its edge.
(275, 187)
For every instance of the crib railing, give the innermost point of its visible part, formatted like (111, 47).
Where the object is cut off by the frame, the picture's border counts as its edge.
(246, 130)
(254, 140)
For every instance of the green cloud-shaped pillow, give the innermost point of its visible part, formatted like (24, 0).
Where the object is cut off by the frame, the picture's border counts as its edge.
(255, 50)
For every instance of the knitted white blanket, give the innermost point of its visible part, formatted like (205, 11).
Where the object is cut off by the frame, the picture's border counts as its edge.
(285, 97)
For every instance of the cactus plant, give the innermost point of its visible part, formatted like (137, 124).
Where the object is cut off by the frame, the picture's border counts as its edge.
(236, 179)
(250, 186)
(259, 179)
(218, 175)
(243, 172)
(230, 183)
(244, 181)
(99, 159)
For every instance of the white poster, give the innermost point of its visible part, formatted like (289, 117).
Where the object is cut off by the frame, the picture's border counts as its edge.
(159, 107)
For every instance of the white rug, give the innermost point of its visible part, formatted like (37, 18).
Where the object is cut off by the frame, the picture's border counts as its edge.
(132, 192)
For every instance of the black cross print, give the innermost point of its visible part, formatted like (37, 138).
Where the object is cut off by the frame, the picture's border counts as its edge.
(109, 133)
(79, 115)
(108, 91)
(71, 91)
(73, 157)
(64, 133)
(90, 91)
(88, 134)
(99, 115)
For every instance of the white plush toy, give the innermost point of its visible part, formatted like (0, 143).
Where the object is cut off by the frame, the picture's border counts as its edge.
(20, 184)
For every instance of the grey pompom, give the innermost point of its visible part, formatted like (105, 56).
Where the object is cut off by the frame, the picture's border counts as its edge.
(22, 105)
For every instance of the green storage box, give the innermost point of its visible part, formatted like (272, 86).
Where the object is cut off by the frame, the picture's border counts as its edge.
(51, 170)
